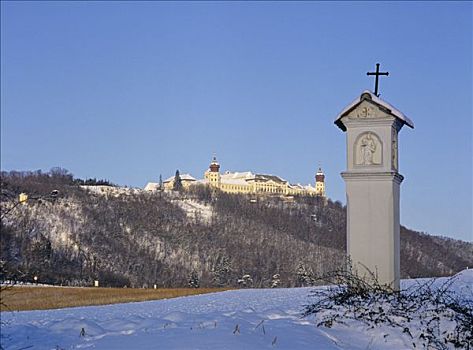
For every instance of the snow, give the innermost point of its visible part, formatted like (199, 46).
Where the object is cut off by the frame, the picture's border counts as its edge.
(195, 209)
(239, 319)
(110, 190)
(394, 111)
(151, 186)
(184, 177)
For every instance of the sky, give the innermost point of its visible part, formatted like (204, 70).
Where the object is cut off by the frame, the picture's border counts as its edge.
(127, 91)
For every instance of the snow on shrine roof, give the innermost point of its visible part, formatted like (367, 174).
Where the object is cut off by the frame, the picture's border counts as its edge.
(376, 100)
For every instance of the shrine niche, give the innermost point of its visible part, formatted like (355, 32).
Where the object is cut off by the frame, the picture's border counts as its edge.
(368, 150)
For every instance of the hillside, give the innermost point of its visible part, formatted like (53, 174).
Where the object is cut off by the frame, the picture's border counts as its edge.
(136, 238)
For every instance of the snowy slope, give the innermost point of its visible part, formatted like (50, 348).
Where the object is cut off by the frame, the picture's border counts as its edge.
(266, 319)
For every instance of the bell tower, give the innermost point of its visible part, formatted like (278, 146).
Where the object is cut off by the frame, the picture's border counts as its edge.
(212, 175)
(320, 183)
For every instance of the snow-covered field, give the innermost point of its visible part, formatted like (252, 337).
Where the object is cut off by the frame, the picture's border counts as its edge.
(240, 319)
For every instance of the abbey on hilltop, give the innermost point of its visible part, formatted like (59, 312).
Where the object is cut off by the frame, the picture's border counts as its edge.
(246, 183)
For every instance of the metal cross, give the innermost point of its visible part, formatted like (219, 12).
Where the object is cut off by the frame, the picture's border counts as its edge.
(377, 74)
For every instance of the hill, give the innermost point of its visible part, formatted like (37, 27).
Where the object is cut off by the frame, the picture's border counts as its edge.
(125, 237)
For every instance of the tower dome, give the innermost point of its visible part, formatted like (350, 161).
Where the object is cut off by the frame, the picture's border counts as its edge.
(214, 165)
(319, 176)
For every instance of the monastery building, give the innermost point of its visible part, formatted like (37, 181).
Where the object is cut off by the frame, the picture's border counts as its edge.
(246, 183)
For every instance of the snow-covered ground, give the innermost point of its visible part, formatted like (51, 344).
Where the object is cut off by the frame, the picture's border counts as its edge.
(195, 209)
(240, 319)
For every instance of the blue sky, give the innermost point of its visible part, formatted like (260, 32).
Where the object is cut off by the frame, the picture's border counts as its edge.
(130, 90)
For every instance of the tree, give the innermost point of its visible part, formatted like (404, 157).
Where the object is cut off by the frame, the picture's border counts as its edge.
(160, 182)
(177, 185)
(245, 281)
(221, 271)
(60, 172)
(276, 281)
(304, 277)
(194, 281)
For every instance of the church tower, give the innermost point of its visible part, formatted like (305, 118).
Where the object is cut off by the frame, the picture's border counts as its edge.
(320, 183)
(212, 175)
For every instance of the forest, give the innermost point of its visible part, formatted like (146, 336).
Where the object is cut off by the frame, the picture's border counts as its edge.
(67, 234)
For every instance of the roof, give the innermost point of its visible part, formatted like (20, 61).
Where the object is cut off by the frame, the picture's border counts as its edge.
(184, 177)
(234, 181)
(266, 177)
(299, 186)
(248, 176)
(237, 175)
(151, 186)
(369, 96)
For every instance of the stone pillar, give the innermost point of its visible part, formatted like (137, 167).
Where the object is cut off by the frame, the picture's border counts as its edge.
(373, 186)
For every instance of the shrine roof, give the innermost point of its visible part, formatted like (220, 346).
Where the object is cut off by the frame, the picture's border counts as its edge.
(369, 96)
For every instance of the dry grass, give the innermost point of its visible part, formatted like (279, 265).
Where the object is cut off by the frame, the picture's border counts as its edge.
(41, 298)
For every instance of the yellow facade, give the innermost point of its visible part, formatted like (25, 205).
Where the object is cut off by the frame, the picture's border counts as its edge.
(320, 188)
(249, 183)
(213, 178)
(22, 198)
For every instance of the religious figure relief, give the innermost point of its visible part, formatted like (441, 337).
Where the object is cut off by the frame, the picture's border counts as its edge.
(368, 150)
(368, 147)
